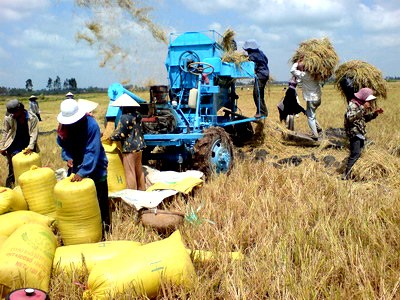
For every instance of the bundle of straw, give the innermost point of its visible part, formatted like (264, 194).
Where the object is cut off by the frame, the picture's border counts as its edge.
(319, 57)
(235, 57)
(375, 164)
(363, 75)
(228, 40)
(229, 45)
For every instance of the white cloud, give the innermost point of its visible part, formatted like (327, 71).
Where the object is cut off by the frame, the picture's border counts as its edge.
(39, 65)
(212, 6)
(377, 18)
(14, 10)
(384, 41)
(216, 26)
(38, 39)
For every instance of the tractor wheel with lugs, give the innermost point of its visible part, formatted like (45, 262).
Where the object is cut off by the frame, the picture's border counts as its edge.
(213, 153)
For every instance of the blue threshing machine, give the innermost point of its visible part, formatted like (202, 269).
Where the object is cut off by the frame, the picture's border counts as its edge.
(194, 120)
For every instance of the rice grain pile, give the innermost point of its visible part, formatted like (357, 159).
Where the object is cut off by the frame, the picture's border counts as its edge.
(319, 57)
(363, 75)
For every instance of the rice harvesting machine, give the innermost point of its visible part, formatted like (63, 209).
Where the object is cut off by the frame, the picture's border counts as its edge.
(194, 121)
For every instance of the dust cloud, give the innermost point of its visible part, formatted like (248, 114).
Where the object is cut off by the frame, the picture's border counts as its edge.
(120, 31)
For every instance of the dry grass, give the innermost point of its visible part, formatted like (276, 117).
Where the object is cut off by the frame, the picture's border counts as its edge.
(305, 233)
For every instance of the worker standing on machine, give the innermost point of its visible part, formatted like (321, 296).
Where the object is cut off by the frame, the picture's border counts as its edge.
(262, 75)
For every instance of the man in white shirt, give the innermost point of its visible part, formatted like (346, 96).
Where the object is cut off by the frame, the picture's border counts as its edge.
(311, 94)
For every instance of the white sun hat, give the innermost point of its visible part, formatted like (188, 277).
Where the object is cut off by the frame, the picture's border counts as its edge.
(88, 105)
(125, 100)
(251, 44)
(71, 112)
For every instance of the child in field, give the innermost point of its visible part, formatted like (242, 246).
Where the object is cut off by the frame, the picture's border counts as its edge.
(359, 112)
(130, 133)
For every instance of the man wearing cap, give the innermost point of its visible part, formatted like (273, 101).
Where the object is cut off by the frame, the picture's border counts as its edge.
(20, 133)
(130, 133)
(34, 106)
(79, 138)
(359, 112)
(262, 75)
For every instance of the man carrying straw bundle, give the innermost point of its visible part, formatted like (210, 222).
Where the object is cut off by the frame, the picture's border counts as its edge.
(313, 62)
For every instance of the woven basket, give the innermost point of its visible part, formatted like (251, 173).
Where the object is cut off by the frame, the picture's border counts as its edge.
(161, 219)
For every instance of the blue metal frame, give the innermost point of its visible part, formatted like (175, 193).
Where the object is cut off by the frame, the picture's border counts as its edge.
(211, 97)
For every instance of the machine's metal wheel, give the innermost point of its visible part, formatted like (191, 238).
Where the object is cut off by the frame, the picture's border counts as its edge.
(198, 68)
(213, 153)
(186, 58)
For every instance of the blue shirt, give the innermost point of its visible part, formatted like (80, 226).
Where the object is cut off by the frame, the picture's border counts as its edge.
(83, 145)
(261, 63)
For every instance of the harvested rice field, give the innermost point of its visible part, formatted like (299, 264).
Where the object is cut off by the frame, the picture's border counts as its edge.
(302, 231)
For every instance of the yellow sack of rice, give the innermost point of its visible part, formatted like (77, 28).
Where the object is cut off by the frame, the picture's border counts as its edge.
(362, 74)
(142, 270)
(11, 200)
(23, 162)
(3, 239)
(319, 57)
(37, 185)
(26, 258)
(115, 171)
(209, 256)
(77, 211)
(19, 191)
(11, 221)
(69, 258)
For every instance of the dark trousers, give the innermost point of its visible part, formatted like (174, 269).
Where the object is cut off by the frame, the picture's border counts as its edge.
(356, 146)
(258, 96)
(102, 197)
(10, 178)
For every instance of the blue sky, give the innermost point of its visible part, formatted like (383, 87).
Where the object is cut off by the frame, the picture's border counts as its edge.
(38, 37)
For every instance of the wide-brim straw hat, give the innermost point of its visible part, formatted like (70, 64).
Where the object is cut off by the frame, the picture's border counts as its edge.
(33, 97)
(71, 112)
(88, 105)
(125, 101)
